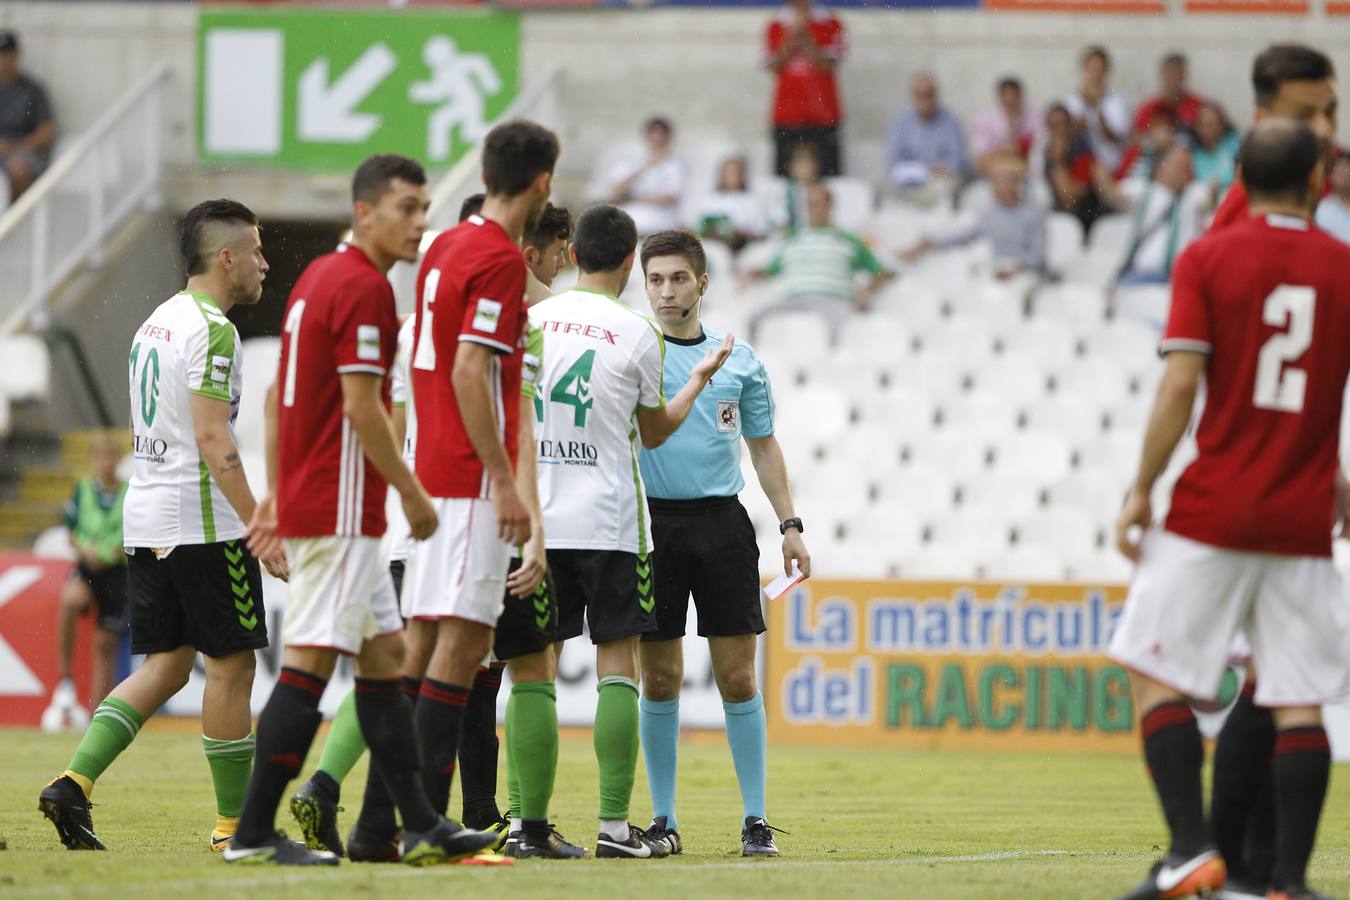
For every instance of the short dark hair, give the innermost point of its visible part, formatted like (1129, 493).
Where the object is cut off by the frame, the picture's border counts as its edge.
(373, 177)
(555, 224)
(658, 122)
(1279, 63)
(1009, 83)
(1099, 52)
(1276, 158)
(471, 205)
(515, 153)
(676, 242)
(1174, 59)
(605, 237)
(197, 220)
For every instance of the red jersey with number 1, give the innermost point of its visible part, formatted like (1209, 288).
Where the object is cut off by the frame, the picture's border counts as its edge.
(1268, 301)
(340, 319)
(472, 289)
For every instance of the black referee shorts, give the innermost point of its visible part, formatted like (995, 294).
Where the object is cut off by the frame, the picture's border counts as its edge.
(707, 548)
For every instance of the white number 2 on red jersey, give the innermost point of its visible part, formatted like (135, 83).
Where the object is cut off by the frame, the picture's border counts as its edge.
(424, 356)
(292, 328)
(1278, 386)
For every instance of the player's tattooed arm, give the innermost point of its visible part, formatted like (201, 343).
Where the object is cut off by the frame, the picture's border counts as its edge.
(231, 463)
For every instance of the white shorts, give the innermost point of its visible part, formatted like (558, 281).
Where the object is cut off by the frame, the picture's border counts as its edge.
(340, 593)
(460, 571)
(1189, 600)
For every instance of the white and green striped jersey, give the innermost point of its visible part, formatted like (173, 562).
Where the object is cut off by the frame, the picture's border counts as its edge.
(601, 361)
(186, 347)
(821, 262)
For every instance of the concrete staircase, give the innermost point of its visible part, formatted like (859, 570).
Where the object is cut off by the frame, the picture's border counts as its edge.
(44, 472)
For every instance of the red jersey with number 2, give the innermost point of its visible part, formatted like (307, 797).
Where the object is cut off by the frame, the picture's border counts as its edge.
(472, 290)
(340, 320)
(1268, 301)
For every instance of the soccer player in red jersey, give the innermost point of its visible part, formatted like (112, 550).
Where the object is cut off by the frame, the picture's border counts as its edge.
(468, 346)
(1297, 82)
(1262, 311)
(331, 451)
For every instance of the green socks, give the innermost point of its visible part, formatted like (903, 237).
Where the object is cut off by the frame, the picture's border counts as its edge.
(345, 742)
(616, 744)
(532, 748)
(231, 764)
(112, 729)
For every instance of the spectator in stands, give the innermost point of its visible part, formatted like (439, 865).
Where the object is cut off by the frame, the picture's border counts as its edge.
(1079, 183)
(1008, 128)
(926, 149)
(26, 130)
(805, 44)
(1333, 213)
(1148, 147)
(1173, 96)
(650, 188)
(1167, 213)
(817, 266)
(1013, 225)
(787, 213)
(1103, 112)
(732, 213)
(99, 579)
(1214, 150)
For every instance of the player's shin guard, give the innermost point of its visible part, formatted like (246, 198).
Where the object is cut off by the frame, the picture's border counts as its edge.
(112, 729)
(387, 724)
(285, 731)
(1175, 756)
(616, 744)
(231, 763)
(747, 736)
(440, 721)
(1302, 767)
(344, 744)
(478, 751)
(1241, 774)
(532, 746)
(659, 725)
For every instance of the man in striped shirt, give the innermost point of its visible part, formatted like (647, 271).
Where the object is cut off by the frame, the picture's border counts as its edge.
(818, 265)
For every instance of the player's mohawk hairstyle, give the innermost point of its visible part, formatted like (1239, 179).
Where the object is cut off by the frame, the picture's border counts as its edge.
(198, 221)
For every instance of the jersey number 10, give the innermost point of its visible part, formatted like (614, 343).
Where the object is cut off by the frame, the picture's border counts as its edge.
(1278, 386)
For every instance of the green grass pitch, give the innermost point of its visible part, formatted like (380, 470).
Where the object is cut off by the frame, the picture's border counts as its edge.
(864, 823)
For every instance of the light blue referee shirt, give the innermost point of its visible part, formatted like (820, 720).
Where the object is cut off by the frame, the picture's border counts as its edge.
(703, 457)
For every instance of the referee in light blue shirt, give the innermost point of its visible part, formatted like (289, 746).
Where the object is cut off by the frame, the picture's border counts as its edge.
(704, 543)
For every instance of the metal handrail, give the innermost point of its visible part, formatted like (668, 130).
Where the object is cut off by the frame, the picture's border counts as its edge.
(467, 167)
(33, 204)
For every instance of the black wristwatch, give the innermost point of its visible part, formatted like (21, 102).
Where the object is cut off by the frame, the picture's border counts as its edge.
(794, 522)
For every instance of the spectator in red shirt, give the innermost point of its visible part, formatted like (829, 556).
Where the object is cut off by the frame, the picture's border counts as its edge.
(1173, 96)
(805, 44)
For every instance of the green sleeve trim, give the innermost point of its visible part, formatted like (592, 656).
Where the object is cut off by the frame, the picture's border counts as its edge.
(221, 343)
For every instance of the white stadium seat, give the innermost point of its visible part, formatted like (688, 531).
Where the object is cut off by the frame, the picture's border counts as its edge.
(1013, 497)
(1071, 302)
(959, 455)
(1014, 376)
(924, 491)
(54, 543)
(1028, 562)
(721, 263)
(904, 408)
(1063, 240)
(1069, 414)
(1115, 453)
(959, 337)
(1145, 304)
(1069, 532)
(27, 370)
(896, 529)
(1110, 236)
(853, 200)
(984, 413)
(942, 562)
(1105, 567)
(986, 527)
(1053, 343)
(1038, 456)
(1097, 491)
(258, 360)
(884, 335)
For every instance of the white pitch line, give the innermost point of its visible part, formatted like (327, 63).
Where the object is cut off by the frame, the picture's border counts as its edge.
(284, 878)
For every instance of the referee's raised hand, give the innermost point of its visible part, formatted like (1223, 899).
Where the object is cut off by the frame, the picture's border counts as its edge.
(714, 358)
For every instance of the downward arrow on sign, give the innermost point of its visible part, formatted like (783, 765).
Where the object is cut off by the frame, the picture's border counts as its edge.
(326, 109)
